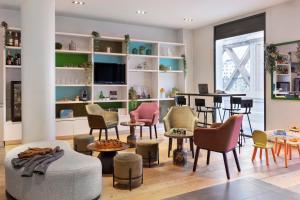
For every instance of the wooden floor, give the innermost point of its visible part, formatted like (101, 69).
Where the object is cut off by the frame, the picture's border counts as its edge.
(167, 180)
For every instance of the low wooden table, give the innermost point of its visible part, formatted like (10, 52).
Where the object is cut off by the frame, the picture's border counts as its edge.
(131, 139)
(179, 155)
(107, 156)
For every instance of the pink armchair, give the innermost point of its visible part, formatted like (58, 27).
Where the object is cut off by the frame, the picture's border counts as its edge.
(147, 113)
(220, 138)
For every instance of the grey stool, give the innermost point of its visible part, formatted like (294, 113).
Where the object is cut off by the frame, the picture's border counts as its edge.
(128, 169)
(81, 142)
(149, 151)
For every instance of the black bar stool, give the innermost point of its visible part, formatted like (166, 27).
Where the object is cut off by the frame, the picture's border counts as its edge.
(216, 107)
(235, 103)
(180, 100)
(201, 108)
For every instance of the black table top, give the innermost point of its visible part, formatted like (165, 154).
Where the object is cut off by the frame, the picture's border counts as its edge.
(213, 94)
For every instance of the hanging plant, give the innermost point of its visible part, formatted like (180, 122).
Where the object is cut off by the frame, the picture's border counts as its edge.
(127, 40)
(185, 71)
(4, 24)
(272, 57)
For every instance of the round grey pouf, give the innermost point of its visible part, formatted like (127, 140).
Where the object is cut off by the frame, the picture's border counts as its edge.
(81, 142)
(149, 151)
(128, 169)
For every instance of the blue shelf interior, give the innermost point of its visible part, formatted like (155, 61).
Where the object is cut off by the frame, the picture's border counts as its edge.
(137, 45)
(108, 59)
(69, 92)
(174, 63)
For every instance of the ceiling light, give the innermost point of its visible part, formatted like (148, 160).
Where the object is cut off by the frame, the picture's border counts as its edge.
(141, 12)
(78, 2)
(188, 19)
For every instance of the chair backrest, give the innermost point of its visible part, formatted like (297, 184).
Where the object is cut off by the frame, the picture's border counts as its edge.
(259, 138)
(218, 101)
(181, 117)
(231, 131)
(94, 109)
(180, 100)
(236, 102)
(199, 103)
(147, 109)
(203, 88)
(247, 104)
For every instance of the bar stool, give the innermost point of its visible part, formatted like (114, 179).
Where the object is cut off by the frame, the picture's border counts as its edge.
(235, 103)
(201, 108)
(245, 109)
(217, 107)
(180, 100)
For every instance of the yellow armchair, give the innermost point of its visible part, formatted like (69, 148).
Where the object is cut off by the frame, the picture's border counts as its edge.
(180, 117)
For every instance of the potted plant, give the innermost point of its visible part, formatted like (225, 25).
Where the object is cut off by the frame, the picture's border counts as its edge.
(185, 71)
(88, 71)
(127, 40)
(272, 57)
(142, 50)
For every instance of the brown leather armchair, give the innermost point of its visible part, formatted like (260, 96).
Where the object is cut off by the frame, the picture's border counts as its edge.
(99, 118)
(220, 138)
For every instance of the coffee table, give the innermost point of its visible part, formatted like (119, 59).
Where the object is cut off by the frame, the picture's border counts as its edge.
(131, 139)
(179, 155)
(107, 156)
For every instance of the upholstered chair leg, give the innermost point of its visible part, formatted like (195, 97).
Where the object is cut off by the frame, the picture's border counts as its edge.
(254, 154)
(260, 154)
(278, 149)
(208, 157)
(170, 146)
(117, 132)
(196, 159)
(298, 147)
(192, 146)
(155, 130)
(100, 133)
(141, 131)
(91, 131)
(106, 134)
(150, 128)
(226, 165)
(236, 160)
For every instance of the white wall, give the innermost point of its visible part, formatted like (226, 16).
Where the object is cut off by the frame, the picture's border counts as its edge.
(86, 26)
(282, 26)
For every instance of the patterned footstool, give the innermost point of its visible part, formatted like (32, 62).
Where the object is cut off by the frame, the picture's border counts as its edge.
(149, 151)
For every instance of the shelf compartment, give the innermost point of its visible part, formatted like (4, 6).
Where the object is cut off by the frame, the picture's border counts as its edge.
(72, 52)
(136, 45)
(121, 93)
(171, 50)
(172, 64)
(110, 54)
(117, 59)
(116, 46)
(168, 81)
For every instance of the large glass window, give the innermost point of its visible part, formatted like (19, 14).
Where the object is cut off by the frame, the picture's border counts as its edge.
(239, 67)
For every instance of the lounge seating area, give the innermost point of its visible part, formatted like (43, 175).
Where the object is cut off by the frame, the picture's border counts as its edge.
(105, 100)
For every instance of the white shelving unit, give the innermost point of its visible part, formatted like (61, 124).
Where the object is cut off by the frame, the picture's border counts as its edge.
(142, 71)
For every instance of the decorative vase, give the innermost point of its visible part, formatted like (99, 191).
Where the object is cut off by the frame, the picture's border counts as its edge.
(142, 50)
(148, 52)
(72, 46)
(134, 51)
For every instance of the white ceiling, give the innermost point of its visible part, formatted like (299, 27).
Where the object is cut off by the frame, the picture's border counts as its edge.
(165, 13)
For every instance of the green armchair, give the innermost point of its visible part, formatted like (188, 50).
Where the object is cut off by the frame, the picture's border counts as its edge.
(180, 117)
(99, 118)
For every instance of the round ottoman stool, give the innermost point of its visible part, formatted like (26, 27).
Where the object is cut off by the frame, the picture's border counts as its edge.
(128, 169)
(149, 151)
(81, 142)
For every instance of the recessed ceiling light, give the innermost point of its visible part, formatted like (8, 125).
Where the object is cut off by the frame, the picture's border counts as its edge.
(188, 19)
(141, 12)
(78, 2)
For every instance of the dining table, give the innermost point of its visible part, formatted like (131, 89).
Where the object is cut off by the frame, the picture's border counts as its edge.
(287, 138)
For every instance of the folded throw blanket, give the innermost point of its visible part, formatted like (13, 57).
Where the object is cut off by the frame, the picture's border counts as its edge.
(38, 163)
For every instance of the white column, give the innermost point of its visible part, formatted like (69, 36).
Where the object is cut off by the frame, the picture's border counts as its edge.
(38, 70)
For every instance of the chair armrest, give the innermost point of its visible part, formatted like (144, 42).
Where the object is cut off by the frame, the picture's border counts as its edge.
(155, 117)
(134, 115)
(216, 125)
(96, 121)
(167, 124)
(111, 116)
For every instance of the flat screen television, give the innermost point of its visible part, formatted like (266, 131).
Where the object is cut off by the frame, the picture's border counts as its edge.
(109, 73)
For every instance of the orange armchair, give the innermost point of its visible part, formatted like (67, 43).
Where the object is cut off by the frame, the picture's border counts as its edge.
(220, 138)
